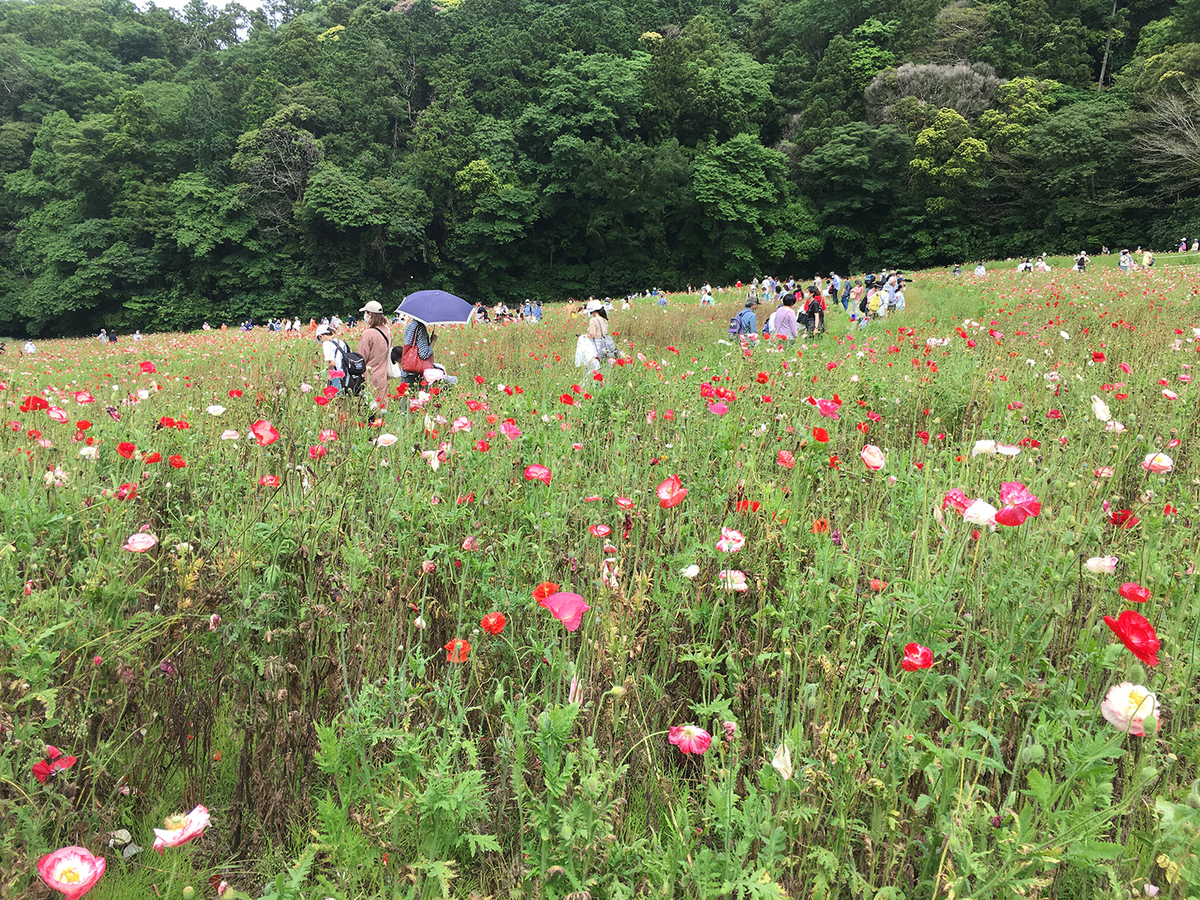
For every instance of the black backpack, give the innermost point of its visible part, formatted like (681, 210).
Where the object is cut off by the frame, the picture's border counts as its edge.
(354, 364)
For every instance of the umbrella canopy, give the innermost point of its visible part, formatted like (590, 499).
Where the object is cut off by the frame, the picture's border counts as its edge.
(436, 308)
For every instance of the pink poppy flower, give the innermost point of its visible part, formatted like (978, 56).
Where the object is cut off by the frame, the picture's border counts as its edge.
(181, 829)
(1158, 463)
(1019, 504)
(600, 530)
(58, 414)
(72, 871)
(1105, 472)
(537, 472)
(567, 608)
(718, 408)
(671, 492)
(327, 436)
(1130, 708)
(733, 580)
(316, 451)
(872, 457)
(510, 430)
(148, 368)
(980, 512)
(689, 738)
(828, 408)
(730, 541)
(916, 657)
(269, 481)
(140, 542)
(624, 503)
(82, 397)
(785, 458)
(1101, 565)
(264, 432)
(470, 543)
(957, 499)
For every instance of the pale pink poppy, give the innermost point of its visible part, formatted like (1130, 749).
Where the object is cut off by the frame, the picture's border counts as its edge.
(1131, 708)
(181, 829)
(470, 543)
(82, 397)
(730, 541)
(72, 871)
(568, 608)
(1101, 565)
(1105, 472)
(327, 435)
(230, 434)
(689, 738)
(1158, 463)
(510, 431)
(386, 440)
(1019, 504)
(872, 457)
(462, 423)
(1170, 394)
(733, 580)
(58, 414)
(140, 542)
(980, 513)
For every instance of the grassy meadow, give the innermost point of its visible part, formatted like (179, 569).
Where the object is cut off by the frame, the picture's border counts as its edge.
(218, 591)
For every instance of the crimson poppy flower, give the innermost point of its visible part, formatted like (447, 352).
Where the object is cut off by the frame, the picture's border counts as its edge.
(457, 650)
(482, 446)
(54, 763)
(916, 657)
(600, 530)
(264, 432)
(152, 458)
(1054, 414)
(235, 393)
(689, 738)
(567, 400)
(83, 425)
(1123, 518)
(1134, 592)
(923, 436)
(1136, 633)
(820, 435)
(493, 622)
(537, 472)
(148, 368)
(127, 491)
(544, 590)
(166, 422)
(321, 400)
(177, 462)
(34, 403)
(126, 449)
(762, 377)
(671, 492)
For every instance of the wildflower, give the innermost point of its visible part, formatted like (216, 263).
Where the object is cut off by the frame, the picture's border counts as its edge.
(544, 590)
(457, 650)
(1158, 463)
(215, 410)
(690, 571)
(733, 580)
(980, 512)
(264, 433)
(1123, 518)
(230, 434)
(820, 526)
(72, 871)
(878, 584)
(1019, 504)
(1131, 707)
(916, 657)
(730, 541)
(1100, 409)
(956, 498)
(181, 829)
(140, 542)
(671, 492)
(470, 543)
(781, 762)
(53, 763)
(1136, 633)
(872, 457)
(537, 472)
(269, 481)
(820, 435)
(730, 729)
(689, 738)
(600, 530)
(493, 622)
(386, 440)
(177, 462)
(1134, 592)
(126, 449)
(1101, 565)
(786, 459)
(568, 608)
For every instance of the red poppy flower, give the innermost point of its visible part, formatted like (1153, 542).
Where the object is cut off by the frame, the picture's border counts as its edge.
(152, 458)
(786, 458)
(235, 393)
(457, 650)
(1123, 518)
(479, 379)
(1097, 356)
(820, 526)
(269, 481)
(166, 422)
(34, 403)
(762, 377)
(54, 763)
(600, 530)
(1136, 633)
(916, 657)
(493, 622)
(820, 434)
(264, 432)
(177, 462)
(148, 368)
(321, 400)
(567, 400)
(923, 436)
(1054, 414)
(834, 462)
(127, 491)
(83, 425)
(1134, 592)
(316, 451)
(483, 446)
(544, 590)
(126, 449)
(537, 472)
(671, 492)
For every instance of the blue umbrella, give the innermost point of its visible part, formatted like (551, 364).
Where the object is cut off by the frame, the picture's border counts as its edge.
(436, 308)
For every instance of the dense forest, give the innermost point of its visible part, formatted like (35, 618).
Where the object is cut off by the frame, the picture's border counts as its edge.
(162, 168)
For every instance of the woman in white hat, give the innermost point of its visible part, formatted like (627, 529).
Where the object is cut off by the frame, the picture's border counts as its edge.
(597, 330)
(375, 347)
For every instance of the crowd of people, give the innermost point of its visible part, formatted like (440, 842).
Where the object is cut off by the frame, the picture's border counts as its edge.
(806, 308)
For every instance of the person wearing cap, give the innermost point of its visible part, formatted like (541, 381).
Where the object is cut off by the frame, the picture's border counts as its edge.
(375, 347)
(331, 353)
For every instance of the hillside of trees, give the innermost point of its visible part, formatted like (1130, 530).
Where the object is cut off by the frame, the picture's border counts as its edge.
(164, 168)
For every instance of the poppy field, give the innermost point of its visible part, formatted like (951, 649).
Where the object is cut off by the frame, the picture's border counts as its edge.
(905, 611)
